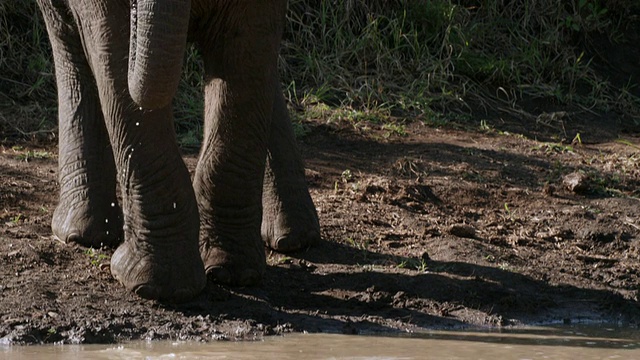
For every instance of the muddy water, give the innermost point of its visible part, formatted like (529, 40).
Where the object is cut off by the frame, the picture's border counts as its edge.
(530, 343)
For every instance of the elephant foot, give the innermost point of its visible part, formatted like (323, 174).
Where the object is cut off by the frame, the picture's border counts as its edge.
(88, 223)
(165, 272)
(240, 261)
(290, 223)
(159, 258)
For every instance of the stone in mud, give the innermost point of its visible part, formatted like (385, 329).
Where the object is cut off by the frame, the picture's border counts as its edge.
(463, 230)
(576, 182)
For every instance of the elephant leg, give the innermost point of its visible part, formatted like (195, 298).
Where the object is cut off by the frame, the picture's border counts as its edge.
(289, 218)
(159, 258)
(240, 57)
(87, 212)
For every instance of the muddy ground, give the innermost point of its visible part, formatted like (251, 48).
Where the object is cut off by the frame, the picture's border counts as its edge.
(423, 227)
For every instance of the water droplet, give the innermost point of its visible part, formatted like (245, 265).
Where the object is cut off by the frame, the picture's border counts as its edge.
(106, 221)
(140, 108)
(113, 204)
(137, 123)
(174, 205)
(107, 232)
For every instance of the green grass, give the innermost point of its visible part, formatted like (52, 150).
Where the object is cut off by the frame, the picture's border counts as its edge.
(437, 59)
(413, 264)
(95, 257)
(382, 62)
(27, 89)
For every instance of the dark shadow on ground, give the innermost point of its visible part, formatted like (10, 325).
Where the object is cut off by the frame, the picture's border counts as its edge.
(306, 300)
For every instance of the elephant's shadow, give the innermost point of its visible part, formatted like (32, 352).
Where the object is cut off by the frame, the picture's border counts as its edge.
(449, 295)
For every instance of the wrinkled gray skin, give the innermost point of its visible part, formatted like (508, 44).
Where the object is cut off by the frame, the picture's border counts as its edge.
(116, 126)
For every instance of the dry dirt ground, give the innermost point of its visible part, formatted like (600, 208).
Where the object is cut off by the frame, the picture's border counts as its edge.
(423, 227)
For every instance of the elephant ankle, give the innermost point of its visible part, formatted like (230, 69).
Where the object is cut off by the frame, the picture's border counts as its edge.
(86, 223)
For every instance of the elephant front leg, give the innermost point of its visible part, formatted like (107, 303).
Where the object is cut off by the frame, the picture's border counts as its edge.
(289, 219)
(159, 257)
(87, 212)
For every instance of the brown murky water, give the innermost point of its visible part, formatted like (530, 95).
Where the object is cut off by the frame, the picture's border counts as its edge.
(531, 343)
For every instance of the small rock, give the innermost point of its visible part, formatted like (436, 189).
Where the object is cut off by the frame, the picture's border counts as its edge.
(576, 182)
(463, 230)
(52, 314)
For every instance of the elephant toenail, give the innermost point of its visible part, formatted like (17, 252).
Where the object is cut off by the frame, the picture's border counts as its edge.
(73, 237)
(219, 275)
(147, 292)
(283, 243)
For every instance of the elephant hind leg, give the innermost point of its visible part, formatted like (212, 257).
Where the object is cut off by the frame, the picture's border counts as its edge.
(289, 218)
(240, 56)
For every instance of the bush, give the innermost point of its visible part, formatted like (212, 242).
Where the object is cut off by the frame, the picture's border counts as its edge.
(437, 58)
(357, 59)
(27, 84)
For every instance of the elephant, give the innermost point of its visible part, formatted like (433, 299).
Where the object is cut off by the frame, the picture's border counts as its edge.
(117, 67)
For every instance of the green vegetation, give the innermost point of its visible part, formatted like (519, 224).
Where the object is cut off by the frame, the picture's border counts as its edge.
(27, 86)
(419, 265)
(95, 257)
(381, 62)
